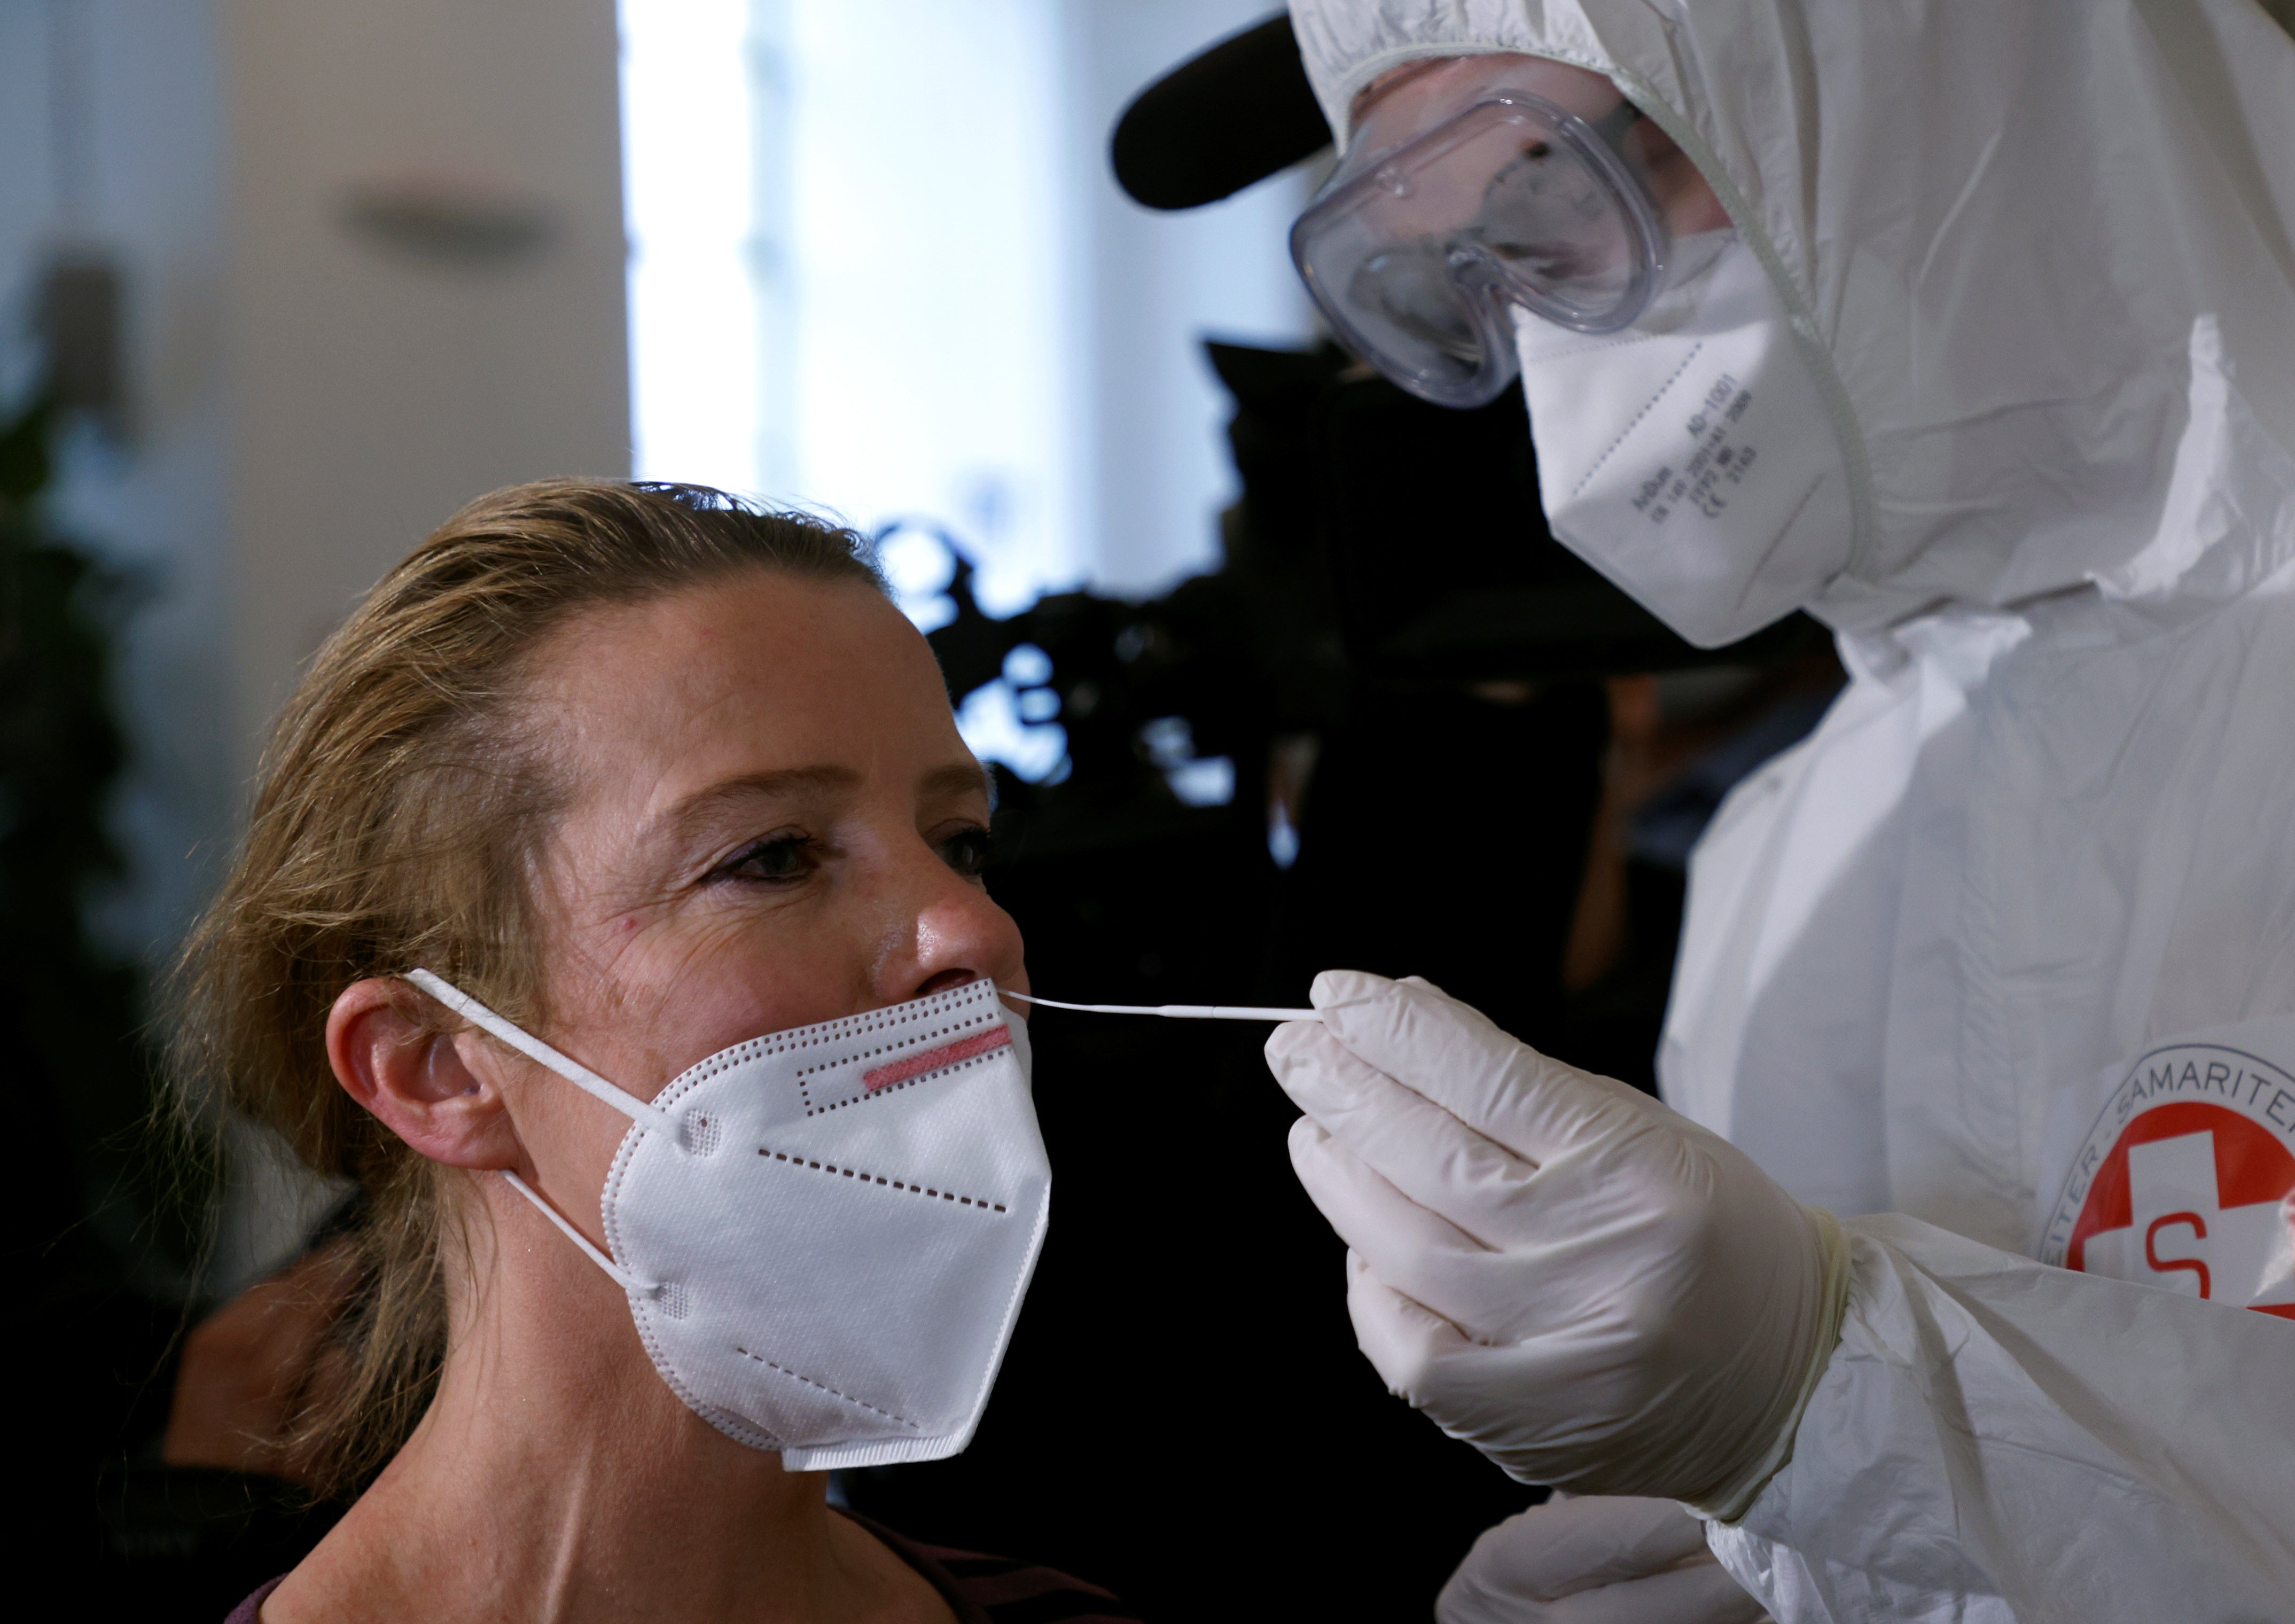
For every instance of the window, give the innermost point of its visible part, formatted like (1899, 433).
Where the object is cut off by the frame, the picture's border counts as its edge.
(878, 265)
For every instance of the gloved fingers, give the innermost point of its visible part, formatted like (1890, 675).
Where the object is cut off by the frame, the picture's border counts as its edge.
(1421, 1149)
(1406, 1342)
(1402, 1242)
(1422, 1254)
(1582, 1541)
(1701, 1593)
(1453, 1056)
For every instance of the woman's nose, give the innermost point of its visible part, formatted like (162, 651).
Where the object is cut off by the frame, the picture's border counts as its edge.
(946, 931)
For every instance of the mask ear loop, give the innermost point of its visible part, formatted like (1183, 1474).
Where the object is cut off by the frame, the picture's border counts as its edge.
(644, 1113)
(534, 1049)
(622, 1277)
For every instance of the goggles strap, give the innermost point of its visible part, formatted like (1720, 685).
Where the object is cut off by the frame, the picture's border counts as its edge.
(1611, 126)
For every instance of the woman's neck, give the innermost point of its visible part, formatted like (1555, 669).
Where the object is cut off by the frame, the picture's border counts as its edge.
(556, 1477)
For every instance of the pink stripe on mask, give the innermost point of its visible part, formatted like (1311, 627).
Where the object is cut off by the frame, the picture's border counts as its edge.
(933, 1059)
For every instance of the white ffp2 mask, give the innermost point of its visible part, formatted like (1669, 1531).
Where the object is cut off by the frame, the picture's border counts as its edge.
(1690, 458)
(825, 1233)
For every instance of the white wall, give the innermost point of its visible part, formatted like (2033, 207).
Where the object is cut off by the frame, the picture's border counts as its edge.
(379, 383)
(376, 388)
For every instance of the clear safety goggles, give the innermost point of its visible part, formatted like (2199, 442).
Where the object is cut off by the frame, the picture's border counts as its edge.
(1466, 198)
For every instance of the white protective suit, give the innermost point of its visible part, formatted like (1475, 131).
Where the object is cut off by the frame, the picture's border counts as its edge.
(2006, 952)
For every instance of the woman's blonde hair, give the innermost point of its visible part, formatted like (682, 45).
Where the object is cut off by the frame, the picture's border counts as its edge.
(404, 804)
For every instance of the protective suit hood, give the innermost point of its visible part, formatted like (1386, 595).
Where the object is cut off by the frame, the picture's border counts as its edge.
(2039, 255)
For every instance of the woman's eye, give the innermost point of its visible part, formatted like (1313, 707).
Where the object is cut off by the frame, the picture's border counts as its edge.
(967, 852)
(776, 861)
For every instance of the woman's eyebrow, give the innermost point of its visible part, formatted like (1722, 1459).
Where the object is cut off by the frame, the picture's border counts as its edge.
(704, 805)
(954, 779)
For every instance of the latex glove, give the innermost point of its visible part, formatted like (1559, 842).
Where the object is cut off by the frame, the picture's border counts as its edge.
(1603, 1559)
(1590, 1289)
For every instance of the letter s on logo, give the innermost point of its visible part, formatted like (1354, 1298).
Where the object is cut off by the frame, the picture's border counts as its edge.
(2161, 1265)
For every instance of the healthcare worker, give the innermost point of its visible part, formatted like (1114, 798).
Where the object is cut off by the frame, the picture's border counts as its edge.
(1987, 361)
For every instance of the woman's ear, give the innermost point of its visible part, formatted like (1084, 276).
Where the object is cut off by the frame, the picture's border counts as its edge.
(414, 1079)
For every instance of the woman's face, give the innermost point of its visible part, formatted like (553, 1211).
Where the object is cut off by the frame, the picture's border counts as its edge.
(772, 823)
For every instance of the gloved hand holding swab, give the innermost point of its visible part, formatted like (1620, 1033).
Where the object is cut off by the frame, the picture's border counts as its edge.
(1178, 1012)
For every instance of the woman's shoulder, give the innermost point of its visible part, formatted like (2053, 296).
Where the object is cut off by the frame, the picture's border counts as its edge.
(250, 1610)
(985, 1589)
(1007, 1591)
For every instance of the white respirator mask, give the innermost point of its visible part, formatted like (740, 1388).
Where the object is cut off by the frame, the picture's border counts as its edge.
(1690, 457)
(825, 1233)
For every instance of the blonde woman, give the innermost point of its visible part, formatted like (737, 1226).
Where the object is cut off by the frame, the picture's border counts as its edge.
(602, 782)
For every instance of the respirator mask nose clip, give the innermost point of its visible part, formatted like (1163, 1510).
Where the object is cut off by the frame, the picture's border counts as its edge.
(1425, 237)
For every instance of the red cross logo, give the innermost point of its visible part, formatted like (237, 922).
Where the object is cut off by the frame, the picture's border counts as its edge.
(2197, 1197)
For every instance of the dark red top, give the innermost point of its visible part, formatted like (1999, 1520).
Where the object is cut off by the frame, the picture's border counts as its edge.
(979, 1589)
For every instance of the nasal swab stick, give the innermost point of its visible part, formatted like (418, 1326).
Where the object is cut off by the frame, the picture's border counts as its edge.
(1179, 1012)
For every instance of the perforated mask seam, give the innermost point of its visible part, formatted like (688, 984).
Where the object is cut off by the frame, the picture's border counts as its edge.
(879, 1178)
(860, 1403)
(1649, 406)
